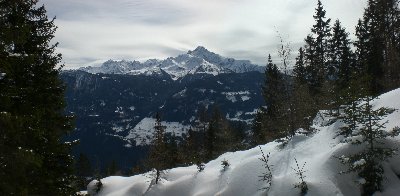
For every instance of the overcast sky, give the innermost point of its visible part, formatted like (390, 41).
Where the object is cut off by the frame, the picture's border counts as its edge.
(92, 31)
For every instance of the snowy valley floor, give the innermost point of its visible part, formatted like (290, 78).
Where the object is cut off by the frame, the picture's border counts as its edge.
(317, 151)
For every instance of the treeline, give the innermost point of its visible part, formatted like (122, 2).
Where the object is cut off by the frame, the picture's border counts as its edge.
(330, 70)
(209, 137)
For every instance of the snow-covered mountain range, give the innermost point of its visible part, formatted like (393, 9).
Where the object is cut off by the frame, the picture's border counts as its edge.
(198, 61)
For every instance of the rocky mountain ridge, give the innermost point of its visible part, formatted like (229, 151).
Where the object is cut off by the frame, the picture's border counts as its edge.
(198, 61)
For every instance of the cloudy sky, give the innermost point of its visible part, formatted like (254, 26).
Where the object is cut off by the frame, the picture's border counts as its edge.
(92, 31)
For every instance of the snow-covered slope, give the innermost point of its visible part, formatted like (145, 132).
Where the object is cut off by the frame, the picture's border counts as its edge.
(143, 132)
(242, 176)
(198, 61)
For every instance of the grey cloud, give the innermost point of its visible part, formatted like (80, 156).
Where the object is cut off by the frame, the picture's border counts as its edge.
(138, 11)
(94, 30)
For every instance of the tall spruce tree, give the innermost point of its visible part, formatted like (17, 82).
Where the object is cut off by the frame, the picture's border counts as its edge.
(317, 50)
(378, 44)
(33, 158)
(190, 151)
(341, 67)
(302, 100)
(157, 159)
(340, 63)
(321, 32)
(273, 91)
(299, 71)
(219, 135)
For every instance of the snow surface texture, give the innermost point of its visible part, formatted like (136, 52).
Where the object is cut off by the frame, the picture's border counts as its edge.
(242, 176)
(198, 61)
(143, 132)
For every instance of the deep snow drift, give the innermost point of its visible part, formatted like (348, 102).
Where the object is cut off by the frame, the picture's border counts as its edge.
(318, 151)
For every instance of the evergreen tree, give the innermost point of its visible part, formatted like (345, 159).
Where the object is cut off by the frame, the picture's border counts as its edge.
(312, 74)
(33, 158)
(302, 100)
(302, 109)
(321, 33)
(364, 127)
(299, 70)
(189, 150)
(341, 57)
(112, 169)
(83, 166)
(361, 52)
(198, 138)
(258, 136)
(273, 91)
(378, 44)
(273, 88)
(83, 170)
(157, 159)
(209, 142)
(219, 135)
(317, 50)
(341, 68)
(287, 110)
(173, 157)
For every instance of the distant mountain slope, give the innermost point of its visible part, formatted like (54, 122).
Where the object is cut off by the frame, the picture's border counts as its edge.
(198, 61)
(317, 152)
(108, 107)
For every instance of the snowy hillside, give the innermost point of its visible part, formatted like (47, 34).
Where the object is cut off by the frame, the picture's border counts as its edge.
(198, 61)
(144, 131)
(317, 151)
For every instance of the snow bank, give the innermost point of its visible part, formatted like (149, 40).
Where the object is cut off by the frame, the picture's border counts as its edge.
(318, 151)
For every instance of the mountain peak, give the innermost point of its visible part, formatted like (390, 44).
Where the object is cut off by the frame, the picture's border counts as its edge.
(199, 51)
(199, 60)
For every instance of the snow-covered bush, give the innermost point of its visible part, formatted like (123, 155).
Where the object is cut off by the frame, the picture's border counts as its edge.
(200, 166)
(225, 164)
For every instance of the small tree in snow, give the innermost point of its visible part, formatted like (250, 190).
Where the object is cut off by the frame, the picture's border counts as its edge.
(200, 166)
(267, 174)
(225, 164)
(367, 129)
(155, 176)
(302, 185)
